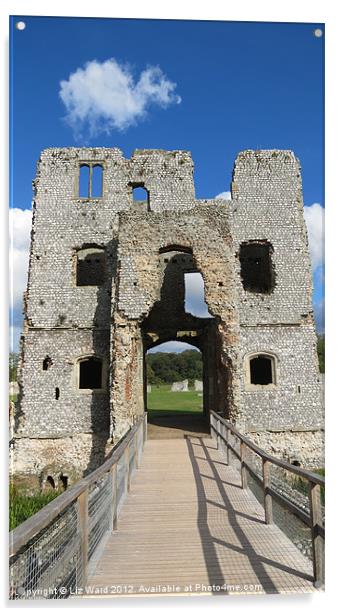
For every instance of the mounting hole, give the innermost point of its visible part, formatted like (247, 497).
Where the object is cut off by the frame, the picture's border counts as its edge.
(318, 32)
(20, 25)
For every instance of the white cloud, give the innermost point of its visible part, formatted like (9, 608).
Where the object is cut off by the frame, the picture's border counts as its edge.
(19, 233)
(103, 96)
(224, 195)
(194, 296)
(172, 347)
(314, 216)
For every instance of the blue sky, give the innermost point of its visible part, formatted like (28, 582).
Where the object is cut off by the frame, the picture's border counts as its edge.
(213, 88)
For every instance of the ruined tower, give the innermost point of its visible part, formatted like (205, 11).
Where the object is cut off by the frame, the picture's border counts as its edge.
(105, 284)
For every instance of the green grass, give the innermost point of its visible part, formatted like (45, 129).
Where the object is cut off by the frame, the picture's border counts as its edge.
(301, 484)
(22, 506)
(162, 399)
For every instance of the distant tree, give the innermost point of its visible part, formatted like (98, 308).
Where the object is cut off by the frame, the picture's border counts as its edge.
(171, 367)
(150, 373)
(13, 366)
(321, 351)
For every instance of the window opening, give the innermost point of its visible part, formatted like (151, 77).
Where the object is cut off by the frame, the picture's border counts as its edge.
(84, 181)
(97, 178)
(90, 181)
(256, 267)
(90, 373)
(90, 267)
(261, 370)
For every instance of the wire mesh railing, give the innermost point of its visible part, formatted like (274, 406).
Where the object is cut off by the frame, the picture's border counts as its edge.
(100, 507)
(49, 560)
(52, 552)
(279, 486)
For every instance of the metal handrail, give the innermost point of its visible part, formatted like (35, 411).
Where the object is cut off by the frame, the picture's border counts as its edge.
(222, 429)
(126, 457)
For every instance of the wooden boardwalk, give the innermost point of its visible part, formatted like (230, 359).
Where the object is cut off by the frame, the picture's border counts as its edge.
(188, 527)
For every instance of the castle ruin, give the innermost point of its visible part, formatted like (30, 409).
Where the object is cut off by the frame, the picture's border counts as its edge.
(106, 284)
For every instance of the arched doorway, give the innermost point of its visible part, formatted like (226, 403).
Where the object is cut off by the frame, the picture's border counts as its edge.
(180, 318)
(174, 392)
(153, 307)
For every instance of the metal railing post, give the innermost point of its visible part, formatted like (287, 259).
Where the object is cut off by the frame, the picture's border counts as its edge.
(267, 496)
(316, 522)
(83, 527)
(243, 467)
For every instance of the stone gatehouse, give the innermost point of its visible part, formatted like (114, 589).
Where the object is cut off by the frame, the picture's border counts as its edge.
(106, 284)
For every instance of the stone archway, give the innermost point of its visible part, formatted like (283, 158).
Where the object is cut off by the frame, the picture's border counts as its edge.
(175, 409)
(154, 252)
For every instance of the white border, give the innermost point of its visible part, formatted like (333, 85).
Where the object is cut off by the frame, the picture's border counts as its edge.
(243, 10)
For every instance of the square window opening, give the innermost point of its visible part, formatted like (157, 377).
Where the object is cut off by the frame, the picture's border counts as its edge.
(256, 268)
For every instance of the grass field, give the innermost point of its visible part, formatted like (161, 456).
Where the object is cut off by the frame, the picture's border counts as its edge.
(23, 506)
(162, 399)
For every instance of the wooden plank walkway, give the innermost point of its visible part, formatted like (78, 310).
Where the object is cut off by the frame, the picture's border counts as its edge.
(187, 526)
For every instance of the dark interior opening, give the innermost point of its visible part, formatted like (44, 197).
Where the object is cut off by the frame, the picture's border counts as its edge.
(91, 267)
(57, 393)
(50, 485)
(261, 370)
(256, 267)
(64, 481)
(47, 363)
(176, 248)
(90, 373)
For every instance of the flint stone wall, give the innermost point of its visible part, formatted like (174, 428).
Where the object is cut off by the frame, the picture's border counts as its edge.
(66, 322)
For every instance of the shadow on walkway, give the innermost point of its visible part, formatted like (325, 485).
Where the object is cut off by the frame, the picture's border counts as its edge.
(177, 424)
(234, 520)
